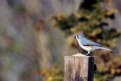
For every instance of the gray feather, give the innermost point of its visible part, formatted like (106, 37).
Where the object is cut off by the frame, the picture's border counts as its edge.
(86, 42)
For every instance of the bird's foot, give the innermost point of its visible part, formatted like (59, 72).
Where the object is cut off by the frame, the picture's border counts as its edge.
(87, 54)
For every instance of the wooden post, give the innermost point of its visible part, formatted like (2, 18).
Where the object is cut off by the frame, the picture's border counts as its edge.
(78, 68)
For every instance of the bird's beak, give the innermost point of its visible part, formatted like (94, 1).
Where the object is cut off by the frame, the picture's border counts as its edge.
(74, 37)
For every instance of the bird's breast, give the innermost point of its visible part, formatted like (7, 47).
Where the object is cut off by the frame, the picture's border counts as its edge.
(88, 47)
(85, 47)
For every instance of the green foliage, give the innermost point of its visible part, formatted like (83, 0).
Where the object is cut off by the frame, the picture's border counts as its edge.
(92, 20)
(54, 73)
(9, 44)
(20, 9)
(93, 23)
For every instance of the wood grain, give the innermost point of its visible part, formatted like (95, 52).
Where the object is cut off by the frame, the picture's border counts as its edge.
(79, 68)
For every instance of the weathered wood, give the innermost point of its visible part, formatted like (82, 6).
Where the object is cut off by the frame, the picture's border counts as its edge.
(78, 68)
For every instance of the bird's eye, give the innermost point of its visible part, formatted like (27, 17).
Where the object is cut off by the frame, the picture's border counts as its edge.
(78, 36)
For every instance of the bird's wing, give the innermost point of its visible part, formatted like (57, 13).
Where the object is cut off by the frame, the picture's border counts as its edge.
(86, 42)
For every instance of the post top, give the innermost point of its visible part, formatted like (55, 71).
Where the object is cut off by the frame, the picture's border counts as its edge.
(79, 55)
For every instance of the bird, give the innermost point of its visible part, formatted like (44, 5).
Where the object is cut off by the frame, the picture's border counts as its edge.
(88, 45)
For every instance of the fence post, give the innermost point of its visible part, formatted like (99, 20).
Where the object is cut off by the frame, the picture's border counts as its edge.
(78, 68)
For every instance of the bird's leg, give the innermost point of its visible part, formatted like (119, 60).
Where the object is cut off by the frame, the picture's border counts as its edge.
(88, 52)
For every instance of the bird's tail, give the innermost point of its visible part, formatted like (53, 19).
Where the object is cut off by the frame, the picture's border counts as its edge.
(104, 48)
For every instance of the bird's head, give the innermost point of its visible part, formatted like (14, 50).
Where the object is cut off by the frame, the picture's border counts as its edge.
(80, 35)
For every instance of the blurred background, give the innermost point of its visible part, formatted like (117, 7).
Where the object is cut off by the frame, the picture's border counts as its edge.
(35, 36)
